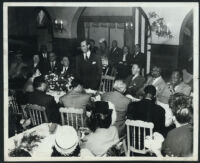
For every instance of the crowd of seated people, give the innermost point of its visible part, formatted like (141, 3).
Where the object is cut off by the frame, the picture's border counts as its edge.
(134, 96)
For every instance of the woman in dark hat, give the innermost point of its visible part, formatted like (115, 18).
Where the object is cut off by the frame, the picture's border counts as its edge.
(103, 134)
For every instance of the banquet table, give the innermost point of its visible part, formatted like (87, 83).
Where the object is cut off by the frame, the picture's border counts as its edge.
(44, 148)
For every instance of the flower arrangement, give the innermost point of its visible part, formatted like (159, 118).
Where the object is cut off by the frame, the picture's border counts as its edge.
(59, 82)
(159, 26)
(26, 145)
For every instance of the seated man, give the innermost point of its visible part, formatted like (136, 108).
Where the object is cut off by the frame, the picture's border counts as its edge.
(53, 65)
(39, 97)
(146, 110)
(157, 81)
(75, 98)
(121, 103)
(65, 69)
(135, 81)
(177, 85)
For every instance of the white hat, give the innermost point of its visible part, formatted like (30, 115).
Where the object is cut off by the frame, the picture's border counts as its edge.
(66, 140)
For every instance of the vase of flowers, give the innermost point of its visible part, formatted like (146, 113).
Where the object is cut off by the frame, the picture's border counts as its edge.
(59, 82)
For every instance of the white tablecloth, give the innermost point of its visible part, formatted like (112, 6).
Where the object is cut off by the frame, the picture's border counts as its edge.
(44, 148)
(56, 94)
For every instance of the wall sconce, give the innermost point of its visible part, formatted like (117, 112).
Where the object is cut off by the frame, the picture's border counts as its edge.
(58, 25)
(129, 25)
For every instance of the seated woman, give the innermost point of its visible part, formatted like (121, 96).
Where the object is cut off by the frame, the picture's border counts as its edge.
(179, 141)
(66, 142)
(28, 87)
(103, 134)
(36, 64)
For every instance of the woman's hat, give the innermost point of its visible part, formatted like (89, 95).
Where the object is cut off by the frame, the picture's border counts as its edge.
(66, 140)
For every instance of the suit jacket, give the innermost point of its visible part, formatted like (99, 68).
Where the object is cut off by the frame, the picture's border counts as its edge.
(115, 56)
(147, 110)
(44, 63)
(183, 88)
(121, 104)
(42, 99)
(129, 59)
(134, 85)
(124, 67)
(140, 58)
(75, 100)
(65, 73)
(89, 72)
(55, 69)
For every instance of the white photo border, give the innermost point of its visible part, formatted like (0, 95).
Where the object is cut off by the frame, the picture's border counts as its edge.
(195, 7)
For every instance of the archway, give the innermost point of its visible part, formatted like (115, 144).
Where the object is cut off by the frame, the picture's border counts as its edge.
(185, 58)
(137, 33)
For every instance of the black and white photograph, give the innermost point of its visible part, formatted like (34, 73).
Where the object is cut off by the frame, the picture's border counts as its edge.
(101, 81)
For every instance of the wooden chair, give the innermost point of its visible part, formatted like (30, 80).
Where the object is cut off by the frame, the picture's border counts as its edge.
(37, 114)
(13, 105)
(136, 132)
(107, 83)
(72, 117)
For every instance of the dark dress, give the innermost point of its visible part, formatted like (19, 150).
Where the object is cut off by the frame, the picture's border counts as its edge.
(179, 142)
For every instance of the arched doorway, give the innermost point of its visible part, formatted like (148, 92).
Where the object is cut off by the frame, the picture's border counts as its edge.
(185, 58)
(130, 29)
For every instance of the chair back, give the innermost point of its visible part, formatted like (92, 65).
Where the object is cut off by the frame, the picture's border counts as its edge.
(37, 114)
(13, 105)
(136, 132)
(106, 84)
(72, 117)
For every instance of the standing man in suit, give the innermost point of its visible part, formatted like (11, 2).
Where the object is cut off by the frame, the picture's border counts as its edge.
(121, 104)
(39, 97)
(177, 85)
(146, 110)
(53, 64)
(88, 67)
(135, 81)
(115, 55)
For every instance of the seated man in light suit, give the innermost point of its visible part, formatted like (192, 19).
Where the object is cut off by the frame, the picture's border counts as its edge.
(121, 104)
(75, 98)
(158, 82)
